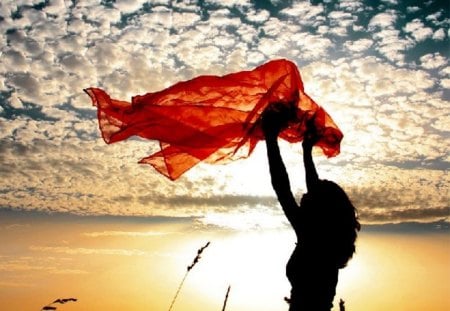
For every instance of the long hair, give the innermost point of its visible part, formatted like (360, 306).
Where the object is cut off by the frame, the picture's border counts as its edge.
(331, 223)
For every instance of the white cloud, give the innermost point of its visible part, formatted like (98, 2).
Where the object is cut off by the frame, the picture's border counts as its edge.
(340, 21)
(15, 102)
(305, 13)
(442, 122)
(433, 61)
(128, 6)
(247, 34)
(439, 34)
(55, 7)
(311, 47)
(360, 45)
(412, 9)
(391, 45)
(351, 5)
(383, 20)
(388, 40)
(434, 17)
(445, 71)
(340, 16)
(393, 2)
(229, 3)
(221, 18)
(418, 30)
(445, 83)
(270, 47)
(257, 16)
(184, 20)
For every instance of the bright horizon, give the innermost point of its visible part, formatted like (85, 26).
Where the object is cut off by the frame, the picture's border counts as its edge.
(132, 264)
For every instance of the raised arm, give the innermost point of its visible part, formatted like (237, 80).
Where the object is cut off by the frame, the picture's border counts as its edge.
(311, 176)
(272, 125)
(310, 138)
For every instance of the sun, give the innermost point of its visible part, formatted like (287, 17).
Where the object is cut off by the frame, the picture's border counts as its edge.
(252, 264)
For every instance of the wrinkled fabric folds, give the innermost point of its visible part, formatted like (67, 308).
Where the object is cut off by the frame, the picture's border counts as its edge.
(214, 118)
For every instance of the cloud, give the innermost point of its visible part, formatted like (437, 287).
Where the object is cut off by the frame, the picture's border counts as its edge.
(310, 14)
(351, 5)
(408, 214)
(412, 9)
(88, 251)
(360, 45)
(363, 63)
(125, 233)
(51, 265)
(257, 16)
(16, 284)
(128, 6)
(383, 20)
(229, 3)
(391, 45)
(439, 34)
(445, 83)
(418, 30)
(433, 61)
(262, 219)
(392, 2)
(434, 17)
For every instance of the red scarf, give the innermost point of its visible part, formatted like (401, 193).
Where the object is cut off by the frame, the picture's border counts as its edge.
(213, 118)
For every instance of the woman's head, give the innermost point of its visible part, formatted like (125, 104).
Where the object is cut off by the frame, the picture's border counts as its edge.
(333, 221)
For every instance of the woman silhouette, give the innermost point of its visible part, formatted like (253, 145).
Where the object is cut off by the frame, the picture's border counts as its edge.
(325, 222)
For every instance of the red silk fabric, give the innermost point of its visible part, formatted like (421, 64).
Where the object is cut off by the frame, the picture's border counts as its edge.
(214, 118)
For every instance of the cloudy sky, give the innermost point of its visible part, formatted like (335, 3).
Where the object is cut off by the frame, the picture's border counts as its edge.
(381, 69)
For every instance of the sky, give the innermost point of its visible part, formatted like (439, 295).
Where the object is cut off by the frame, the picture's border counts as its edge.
(380, 69)
(382, 72)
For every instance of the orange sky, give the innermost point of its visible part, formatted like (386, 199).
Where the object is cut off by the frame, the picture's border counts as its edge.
(137, 265)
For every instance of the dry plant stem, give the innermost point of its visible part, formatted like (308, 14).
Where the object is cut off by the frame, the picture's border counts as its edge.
(226, 298)
(189, 268)
(341, 305)
(178, 290)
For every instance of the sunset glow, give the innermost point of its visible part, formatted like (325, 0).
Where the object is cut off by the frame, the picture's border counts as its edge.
(135, 265)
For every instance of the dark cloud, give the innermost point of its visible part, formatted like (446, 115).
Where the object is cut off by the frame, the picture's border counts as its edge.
(212, 201)
(26, 83)
(29, 110)
(440, 226)
(368, 215)
(23, 216)
(437, 164)
(393, 198)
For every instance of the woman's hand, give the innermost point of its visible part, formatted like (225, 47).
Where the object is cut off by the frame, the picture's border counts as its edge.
(275, 118)
(311, 137)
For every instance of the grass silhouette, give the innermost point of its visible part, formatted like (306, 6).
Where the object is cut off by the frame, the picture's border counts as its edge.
(60, 301)
(341, 305)
(189, 268)
(226, 298)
